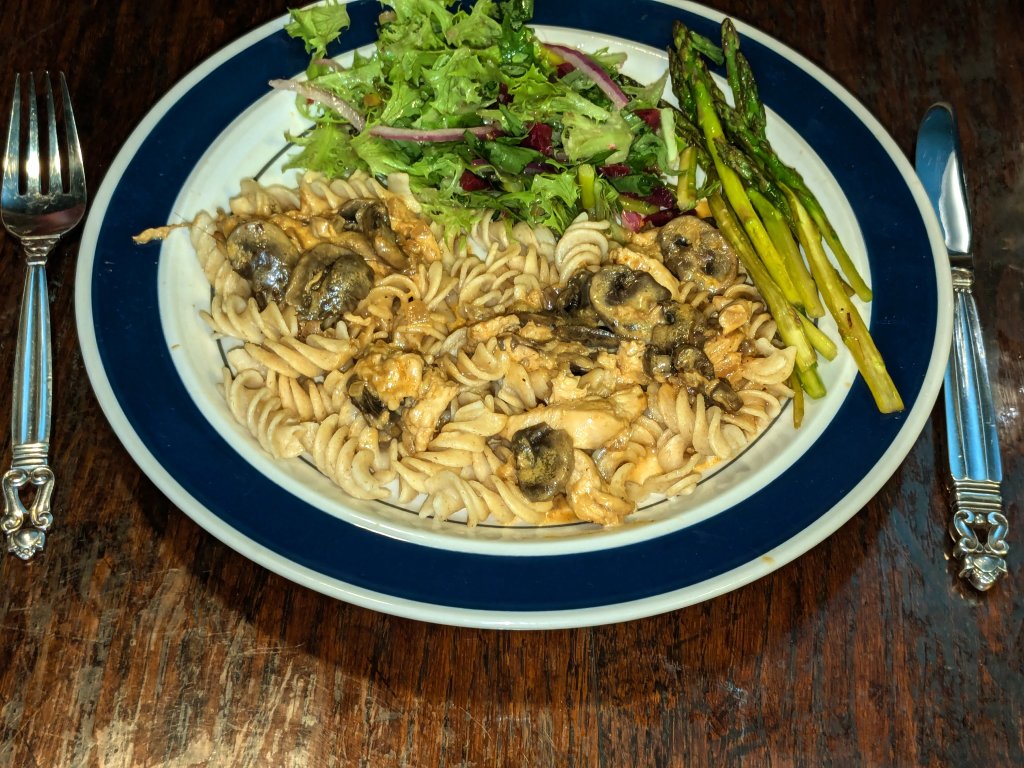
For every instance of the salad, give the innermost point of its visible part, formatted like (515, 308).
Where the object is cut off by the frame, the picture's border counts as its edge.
(484, 116)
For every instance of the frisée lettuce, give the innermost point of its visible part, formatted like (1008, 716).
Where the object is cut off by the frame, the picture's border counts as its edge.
(482, 115)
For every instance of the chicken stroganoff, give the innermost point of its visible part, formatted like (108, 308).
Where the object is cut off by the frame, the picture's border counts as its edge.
(506, 375)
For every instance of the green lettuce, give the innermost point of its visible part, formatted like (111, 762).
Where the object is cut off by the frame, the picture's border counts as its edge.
(585, 138)
(439, 65)
(318, 26)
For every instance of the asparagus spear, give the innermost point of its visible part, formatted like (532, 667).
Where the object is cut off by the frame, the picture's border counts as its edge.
(798, 400)
(741, 80)
(755, 178)
(760, 150)
(819, 339)
(685, 65)
(686, 188)
(786, 316)
(782, 237)
(851, 325)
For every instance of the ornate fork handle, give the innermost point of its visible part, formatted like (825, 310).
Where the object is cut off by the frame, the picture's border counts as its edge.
(25, 540)
(25, 527)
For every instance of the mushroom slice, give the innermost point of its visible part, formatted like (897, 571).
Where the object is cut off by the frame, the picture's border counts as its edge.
(543, 459)
(683, 325)
(371, 217)
(592, 337)
(262, 254)
(373, 408)
(658, 364)
(327, 282)
(627, 300)
(575, 296)
(723, 395)
(697, 252)
(689, 358)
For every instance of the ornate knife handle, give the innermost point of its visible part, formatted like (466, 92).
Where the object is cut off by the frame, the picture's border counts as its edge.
(25, 527)
(979, 526)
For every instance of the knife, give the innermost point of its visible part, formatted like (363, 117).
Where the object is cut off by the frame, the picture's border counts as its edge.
(978, 526)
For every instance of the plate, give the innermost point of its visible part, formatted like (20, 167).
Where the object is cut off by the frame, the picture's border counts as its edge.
(155, 367)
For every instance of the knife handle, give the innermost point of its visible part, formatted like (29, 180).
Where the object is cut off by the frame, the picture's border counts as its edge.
(979, 526)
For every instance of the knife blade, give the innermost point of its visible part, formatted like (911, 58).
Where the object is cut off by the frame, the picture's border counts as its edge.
(978, 525)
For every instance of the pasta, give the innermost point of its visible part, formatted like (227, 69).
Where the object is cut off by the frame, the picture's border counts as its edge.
(507, 375)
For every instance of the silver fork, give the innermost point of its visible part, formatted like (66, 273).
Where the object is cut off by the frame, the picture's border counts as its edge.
(37, 218)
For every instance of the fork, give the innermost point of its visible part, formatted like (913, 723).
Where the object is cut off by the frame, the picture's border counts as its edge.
(37, 218)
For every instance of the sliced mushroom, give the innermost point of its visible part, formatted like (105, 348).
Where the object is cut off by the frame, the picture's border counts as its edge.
(387, 247)
(373, 408)
(686, 362)
(683, 324)
(697, 252)
(689, 358)
(627, 300)
(593, 337)
(327, 282)
(543, 460)
(575, 296)
(583, 329)
(658, 364)
(356, 242)
(723, 395)
(261, 253)
(371, 217)
(581, 366)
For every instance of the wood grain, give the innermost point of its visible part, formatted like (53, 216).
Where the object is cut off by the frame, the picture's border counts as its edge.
(139, 640)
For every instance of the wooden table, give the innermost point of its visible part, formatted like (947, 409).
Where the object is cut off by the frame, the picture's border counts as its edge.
(138, 639)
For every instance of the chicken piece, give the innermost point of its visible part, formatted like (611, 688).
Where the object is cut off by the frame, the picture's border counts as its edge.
(721, 350)
(486, 330)
(296, 229)
(565, 387)
(415, 235)
(652, 266)
(419, 422)
(591, 422)
(392, 375)
(589, 497)
(630, 363)
(533, 331)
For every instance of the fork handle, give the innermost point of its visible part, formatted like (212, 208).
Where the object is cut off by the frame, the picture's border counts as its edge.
(25, 527)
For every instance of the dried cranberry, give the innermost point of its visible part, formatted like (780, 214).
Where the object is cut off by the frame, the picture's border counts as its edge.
(614, 170)
(539, 138)
(650, 116)
(470, 182)
(660, 218)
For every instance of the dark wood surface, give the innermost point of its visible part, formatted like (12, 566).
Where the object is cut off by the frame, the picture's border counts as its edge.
(138, 639)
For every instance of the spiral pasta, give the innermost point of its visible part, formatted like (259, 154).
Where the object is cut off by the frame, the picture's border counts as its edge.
(439, 382)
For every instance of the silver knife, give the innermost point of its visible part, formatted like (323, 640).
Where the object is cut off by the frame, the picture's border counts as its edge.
(978, 526)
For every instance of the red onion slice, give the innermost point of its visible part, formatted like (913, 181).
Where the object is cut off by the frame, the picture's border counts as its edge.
(322, 96)
(421, 135)
(592, 70)
(330, 64)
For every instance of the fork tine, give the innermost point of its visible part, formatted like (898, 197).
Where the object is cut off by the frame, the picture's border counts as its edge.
(32, 149)
(13, 154)
(76, 168)
(55, 185)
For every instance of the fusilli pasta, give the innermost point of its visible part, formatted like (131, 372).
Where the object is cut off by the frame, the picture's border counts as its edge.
(463, 359)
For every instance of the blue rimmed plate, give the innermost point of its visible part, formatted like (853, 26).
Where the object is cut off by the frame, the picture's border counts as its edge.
(155, 367)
